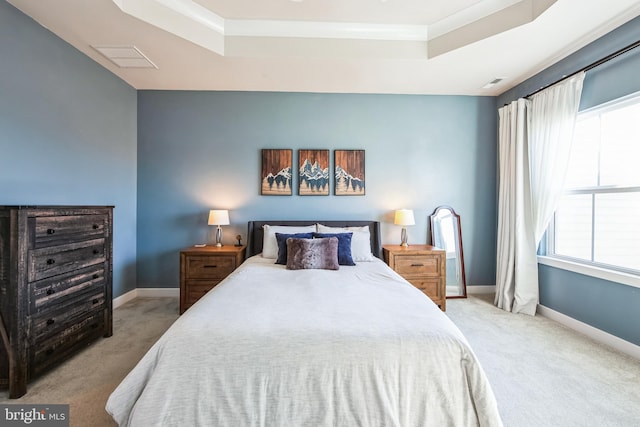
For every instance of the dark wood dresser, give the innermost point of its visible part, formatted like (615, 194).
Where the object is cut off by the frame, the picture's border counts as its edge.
(55, 286)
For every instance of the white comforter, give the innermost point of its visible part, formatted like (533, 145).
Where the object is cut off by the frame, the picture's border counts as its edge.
(274, 347)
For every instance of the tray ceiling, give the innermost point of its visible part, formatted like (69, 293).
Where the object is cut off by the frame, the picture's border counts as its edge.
(346, 46)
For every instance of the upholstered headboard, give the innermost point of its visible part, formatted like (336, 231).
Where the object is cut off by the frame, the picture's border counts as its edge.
(255, 233)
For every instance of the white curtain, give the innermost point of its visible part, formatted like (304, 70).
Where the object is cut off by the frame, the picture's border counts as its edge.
(517, 266)
(534, 143)
(553, 117)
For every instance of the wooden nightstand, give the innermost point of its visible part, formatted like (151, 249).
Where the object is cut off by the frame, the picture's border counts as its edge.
(203, 268)
(423, 266)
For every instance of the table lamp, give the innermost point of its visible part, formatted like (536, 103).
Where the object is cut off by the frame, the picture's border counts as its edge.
(404, 217)
(219, 217)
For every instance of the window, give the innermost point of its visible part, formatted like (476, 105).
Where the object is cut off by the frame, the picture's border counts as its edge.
(598, 218)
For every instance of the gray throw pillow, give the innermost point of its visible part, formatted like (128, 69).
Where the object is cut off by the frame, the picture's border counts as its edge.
(312, 253)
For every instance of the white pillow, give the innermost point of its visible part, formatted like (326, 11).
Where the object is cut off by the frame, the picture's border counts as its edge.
(269, 242)
(360, 241)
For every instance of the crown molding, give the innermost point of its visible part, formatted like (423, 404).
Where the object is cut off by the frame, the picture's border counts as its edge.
(200, 25)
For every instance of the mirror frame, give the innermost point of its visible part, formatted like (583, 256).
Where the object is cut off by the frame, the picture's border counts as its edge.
(459, 252)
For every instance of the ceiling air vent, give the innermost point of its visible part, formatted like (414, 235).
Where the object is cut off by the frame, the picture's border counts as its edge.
(125, 56)
(493, 82)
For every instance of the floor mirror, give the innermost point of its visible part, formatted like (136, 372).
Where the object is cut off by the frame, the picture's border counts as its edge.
(446, 234)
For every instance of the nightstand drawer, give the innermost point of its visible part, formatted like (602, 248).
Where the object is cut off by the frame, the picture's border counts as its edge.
(196, 290)
(208, 267)
(417, 265)
(431, 287)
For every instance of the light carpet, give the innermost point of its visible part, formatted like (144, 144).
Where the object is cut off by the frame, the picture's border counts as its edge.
(544, 374)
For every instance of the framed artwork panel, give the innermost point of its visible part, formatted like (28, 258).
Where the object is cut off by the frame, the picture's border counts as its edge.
(349, 173)
(276, 177)
(313, 172)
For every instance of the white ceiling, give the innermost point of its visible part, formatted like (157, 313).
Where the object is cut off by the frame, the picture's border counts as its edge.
(449, 47)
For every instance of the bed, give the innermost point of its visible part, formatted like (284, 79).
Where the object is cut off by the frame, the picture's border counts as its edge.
(272, 346)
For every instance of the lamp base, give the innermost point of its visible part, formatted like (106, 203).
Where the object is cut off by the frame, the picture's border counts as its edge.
(219, 237)
(403, 237)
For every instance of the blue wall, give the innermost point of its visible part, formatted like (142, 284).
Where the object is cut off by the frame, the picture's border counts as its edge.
(608, 306)
(201, 150)
(67, 132)
(72, 133)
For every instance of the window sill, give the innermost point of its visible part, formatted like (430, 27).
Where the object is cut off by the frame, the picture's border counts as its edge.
(589, 270)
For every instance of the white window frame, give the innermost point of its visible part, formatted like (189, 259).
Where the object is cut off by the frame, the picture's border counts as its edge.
(581, 266)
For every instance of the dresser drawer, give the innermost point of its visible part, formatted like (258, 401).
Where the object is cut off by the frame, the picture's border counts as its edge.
(46, 353)
(48, 262)
(66, 314)
(47, 294)
(417, 265)
(60, 230)
(209, 267)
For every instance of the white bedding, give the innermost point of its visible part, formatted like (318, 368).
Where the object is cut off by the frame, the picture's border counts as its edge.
(272, 347)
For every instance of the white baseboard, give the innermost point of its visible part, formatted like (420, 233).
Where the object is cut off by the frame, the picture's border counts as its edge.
(123, 299)
(481, 289)
(593, 333)
(146, 293)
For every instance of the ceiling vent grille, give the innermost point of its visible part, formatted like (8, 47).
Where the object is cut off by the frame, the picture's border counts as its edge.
(125, 56)
(493, 82)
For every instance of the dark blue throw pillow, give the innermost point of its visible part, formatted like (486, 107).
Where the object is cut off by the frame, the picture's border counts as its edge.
(344, 246)
(281, 238)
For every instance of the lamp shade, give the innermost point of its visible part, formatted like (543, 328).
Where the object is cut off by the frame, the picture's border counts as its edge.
(218, 217)
(404, 217)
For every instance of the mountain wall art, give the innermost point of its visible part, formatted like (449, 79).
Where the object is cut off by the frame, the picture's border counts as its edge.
(313, 178)
(277, 165)
(349, 172)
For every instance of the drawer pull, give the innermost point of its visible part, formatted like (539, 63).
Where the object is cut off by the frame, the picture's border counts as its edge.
(51, 291)
(49, 352)
(96, 275)
(51, 261)
(51, 231)
(417, 265)
(96, 252)
(210, 266)
(95, 301)
(51, 321)
(96, 226)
